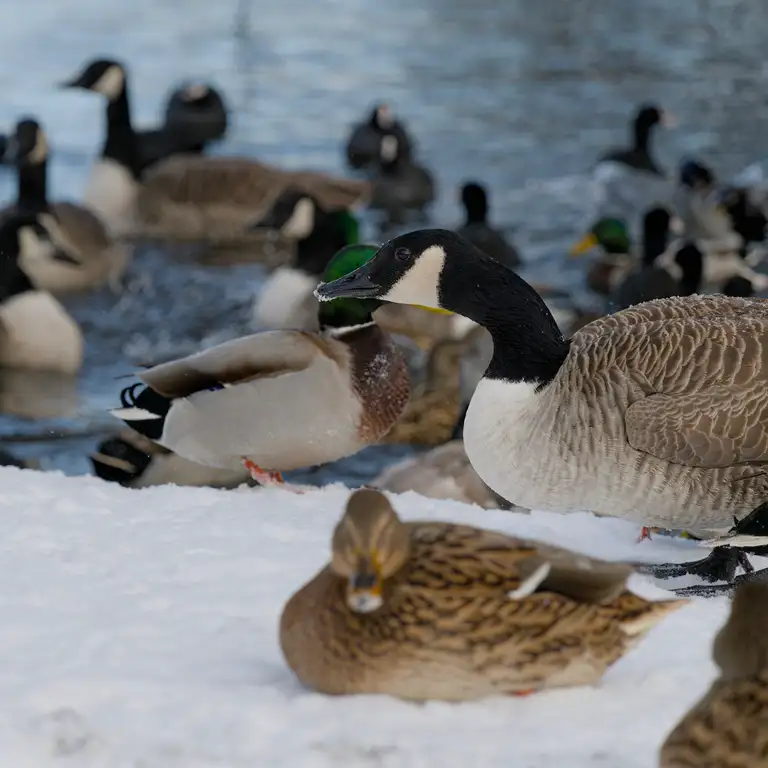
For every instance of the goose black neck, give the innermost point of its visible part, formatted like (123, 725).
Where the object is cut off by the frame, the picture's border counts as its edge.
(527, 344)
(327, 238)
(641, 131)
(654, 244)
(120, 144)
(32, 194)
(12, 280)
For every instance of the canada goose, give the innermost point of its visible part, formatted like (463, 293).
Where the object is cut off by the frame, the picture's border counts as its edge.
(441, 473)
(86, 256)
(434, 406)
(195, 116)
(652, 414)
(400, 185)
(479, 232)
(651, 281)
(628, 179)
(728, 727)
(278, 399)
(431, 610)
(192, 198)
(134, 461)
(36, 332)
(364, 144)
(286, 299)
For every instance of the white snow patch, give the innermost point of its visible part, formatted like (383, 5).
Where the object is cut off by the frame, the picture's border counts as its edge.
(139, 627)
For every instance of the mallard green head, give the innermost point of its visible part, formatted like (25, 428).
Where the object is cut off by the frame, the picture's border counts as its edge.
(610, 234)
(347, 312)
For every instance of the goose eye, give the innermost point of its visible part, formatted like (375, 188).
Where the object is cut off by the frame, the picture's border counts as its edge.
(402, 254)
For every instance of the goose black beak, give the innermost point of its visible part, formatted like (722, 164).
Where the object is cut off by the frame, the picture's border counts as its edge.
(355, 285)
(267, 222)
(74, 82)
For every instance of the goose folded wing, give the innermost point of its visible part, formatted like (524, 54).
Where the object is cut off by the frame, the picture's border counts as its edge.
(707, 392)
(270, 353)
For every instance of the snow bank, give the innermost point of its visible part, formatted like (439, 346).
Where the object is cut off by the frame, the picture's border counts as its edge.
(139, 628)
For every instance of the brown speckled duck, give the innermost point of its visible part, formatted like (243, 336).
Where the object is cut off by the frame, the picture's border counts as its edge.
(728, 727)
(431, 610)
(278, 400)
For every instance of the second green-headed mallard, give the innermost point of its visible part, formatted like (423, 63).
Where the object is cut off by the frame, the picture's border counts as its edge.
(278, 400)
(432, 610)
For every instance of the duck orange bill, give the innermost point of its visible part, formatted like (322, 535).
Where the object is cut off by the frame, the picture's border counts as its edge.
(587, 243)
(364, 588)
(436, 310)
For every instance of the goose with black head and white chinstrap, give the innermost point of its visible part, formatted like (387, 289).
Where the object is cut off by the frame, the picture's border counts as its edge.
(86, 257)
(278, 400)
(36, 332)
(654, 414)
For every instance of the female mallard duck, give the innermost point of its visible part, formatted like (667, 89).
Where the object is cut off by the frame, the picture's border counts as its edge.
(728, 727)
(628, 179)
(441, 473)
(211, 199)
(479, 232)
(286, 299)
(134, 461)
(400, 185)
(653, 414)
(364, 144)
(434, 407)
(430, 610)
(36, 333)
(279, 399)
(86, 256)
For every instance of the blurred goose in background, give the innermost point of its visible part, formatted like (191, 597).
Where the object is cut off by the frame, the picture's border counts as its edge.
(195, 117)
(400, 185)
(479, 232)
(278, 400)
(728, 726)
(629, 180)
(36, 332)
(134, 461)
(363, 147)
(187, 197)
(429, 610)
(286, 298)
(86, 256)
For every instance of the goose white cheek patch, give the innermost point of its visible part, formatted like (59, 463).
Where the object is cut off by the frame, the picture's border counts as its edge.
(111, 83)
(419, 284)
(302, 221)
(389, 147)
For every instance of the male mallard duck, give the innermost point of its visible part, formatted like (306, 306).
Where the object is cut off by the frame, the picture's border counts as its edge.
(36, 332)
(86, 256)
(286, 299)
(364, 144)
(629, 180)
(431, 610)
(653, 414)
(441, 473)
(616, 260)
(279, 399)
(479, 232)
(400, 185)
(211, 199)
(134, 461)
(434, 407)
(728, 727)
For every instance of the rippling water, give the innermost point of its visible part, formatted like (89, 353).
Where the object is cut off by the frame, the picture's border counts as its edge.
(521, 95)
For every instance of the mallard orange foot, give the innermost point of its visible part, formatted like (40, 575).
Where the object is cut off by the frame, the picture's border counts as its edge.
(261, 476)
(527, 692)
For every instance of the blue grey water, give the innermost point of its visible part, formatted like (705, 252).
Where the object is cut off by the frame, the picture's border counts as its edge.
(523, 96)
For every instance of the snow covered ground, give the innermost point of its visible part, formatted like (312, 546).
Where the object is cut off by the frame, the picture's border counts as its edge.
(139, 629)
